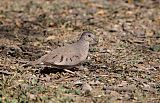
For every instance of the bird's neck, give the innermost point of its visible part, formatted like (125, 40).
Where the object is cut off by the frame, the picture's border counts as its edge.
(83, 43)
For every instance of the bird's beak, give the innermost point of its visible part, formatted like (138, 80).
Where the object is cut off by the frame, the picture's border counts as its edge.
(95, 40)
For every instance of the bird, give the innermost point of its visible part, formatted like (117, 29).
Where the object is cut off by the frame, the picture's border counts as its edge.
(68, 55)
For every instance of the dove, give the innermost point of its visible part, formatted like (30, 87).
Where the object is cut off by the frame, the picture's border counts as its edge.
(68, 55)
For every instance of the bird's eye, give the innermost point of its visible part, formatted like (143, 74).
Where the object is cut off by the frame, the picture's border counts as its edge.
(89, 35)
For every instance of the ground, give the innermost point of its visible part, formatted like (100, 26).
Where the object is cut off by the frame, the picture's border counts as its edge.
(124, 66)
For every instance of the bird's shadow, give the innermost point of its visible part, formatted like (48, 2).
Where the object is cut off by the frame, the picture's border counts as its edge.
(48, 70)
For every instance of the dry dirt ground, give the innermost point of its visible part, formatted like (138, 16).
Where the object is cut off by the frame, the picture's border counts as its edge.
(124, 66)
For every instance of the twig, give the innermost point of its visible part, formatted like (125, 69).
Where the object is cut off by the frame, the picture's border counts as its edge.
(66, 70)
(6, 72)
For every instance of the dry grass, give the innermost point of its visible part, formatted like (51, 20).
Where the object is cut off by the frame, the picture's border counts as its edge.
(123, 67)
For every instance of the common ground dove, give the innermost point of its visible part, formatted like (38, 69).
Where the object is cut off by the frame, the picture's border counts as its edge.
(69, 55)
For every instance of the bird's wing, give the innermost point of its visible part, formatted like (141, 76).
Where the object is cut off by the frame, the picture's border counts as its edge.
(63, 58)
(73, 59)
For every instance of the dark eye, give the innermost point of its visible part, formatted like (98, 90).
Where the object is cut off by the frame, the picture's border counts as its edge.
(89, 35)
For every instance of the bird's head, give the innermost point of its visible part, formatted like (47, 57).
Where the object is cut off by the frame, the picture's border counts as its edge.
(88, 36)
